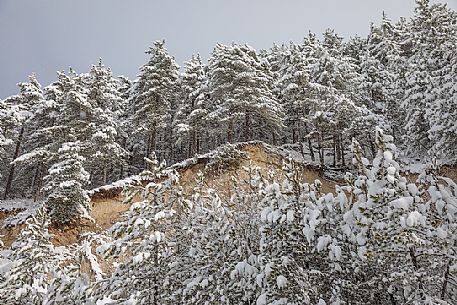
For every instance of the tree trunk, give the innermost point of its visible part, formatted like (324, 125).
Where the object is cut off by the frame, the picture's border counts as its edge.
(311, 150)
(247, 127)
(343, 162)
(192, 144)
(35, 179)
(155, 279)
(39, 184)
(321, 150)
(121, 165)
(392, 299)
(208, 142)
(372, 146)
(446, 280)
(171, 152)
(197, 143)
(230, 131)
(338, 148)
(302, 150)
(412, 254)
(148, 147)
(13, 166)
(121, 170)
(310, 144)
(294, 135)
(105, 173)
(151, 144)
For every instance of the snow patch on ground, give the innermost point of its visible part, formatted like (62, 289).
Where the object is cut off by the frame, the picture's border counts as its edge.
(415, 167)
(120, 184)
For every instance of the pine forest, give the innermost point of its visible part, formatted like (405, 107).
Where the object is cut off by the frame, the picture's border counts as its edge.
(322, 172)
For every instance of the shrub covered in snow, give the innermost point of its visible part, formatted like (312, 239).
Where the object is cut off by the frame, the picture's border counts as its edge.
(379, 239)
(225, 157)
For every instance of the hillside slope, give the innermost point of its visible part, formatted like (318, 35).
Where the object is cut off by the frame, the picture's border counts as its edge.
(218, 168)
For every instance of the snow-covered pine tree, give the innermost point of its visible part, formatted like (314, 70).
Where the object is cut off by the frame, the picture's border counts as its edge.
(240, 90)
(58, 119)
(438, 250)
(9, 121)
(70, 283)
(336, 74)
(417, 126)
(102, 88)
(152, 100)
(146, 238)
(211, 256)
(354, 49)
(426, 32)
(220, 263)
(192, 109)
(77, 108)
(66, 199)
(330, 251)
(391, 231)
(184, 268)
(284, 274)
(30, 95)
(377, 71)
(124, 85)
(361, 128)
(441, 112)
(335, 69)
(33, 259)
(106, 154)
(298, 94)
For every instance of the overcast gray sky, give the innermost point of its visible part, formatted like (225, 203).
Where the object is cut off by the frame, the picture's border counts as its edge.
(44, 36)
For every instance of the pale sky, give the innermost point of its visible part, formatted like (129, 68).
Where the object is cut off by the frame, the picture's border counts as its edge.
(44, 36)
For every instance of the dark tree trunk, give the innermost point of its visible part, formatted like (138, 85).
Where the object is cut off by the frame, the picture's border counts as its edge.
(310, 144)
(412, 254)
(151, 145)
(169, 139)
(35, 179)
(247, 127)
(121, 170)
(372, 146)
(197, 144)
(338, 148)
(39, 184)
(445, 282)
(121, 165)
(105, 173)
(294, 135)
(230, 131)
(13, 166)
(321, 150)
(311, 150)
(343, 162)
(192, 144)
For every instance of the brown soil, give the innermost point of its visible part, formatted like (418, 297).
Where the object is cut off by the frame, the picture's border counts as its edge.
(105, 212)
(449, 171)
(3, 216)
(8, 235)
(108, 211)
(258, 155)
(107, 206)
